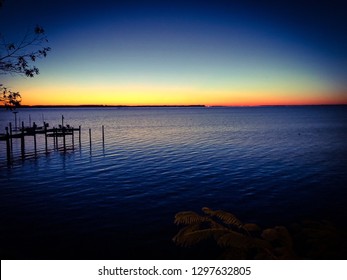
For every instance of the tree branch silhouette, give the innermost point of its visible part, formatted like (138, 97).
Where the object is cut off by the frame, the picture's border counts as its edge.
(18, 59)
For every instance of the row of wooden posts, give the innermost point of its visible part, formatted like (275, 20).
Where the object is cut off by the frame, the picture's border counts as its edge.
(56, 132)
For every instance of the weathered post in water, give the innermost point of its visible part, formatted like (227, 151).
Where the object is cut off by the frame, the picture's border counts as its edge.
(34, 132)
(11, 136)
(45, 130)
(73, 138)
(22, 141)
(90, 139)
(79, 135)
(55, 138)
(103, 136)
(64, 141)
(8, 146)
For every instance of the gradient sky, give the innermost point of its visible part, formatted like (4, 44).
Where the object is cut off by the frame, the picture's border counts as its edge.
(183, 52)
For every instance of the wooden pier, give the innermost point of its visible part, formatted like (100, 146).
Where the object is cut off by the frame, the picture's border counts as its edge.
(60, 132)
(64, 132)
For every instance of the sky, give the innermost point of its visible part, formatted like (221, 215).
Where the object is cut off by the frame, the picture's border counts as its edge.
(225, 53)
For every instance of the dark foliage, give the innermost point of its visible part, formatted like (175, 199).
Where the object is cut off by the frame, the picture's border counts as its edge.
(18, 58)
(9, 98)
(305, 240)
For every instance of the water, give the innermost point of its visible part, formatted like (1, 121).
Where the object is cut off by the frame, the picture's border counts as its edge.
(269, 165)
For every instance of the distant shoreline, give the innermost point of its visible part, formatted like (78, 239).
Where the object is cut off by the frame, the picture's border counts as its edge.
(103, 106)
(173, 106)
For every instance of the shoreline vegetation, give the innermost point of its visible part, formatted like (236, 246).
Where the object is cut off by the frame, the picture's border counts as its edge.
(171, 106)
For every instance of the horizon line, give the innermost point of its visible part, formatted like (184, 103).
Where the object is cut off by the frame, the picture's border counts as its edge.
(192, 105)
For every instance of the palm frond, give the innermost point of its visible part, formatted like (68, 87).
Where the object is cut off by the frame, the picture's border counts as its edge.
(186, 230)
(188, 237)
(188, 217)
(225, 217)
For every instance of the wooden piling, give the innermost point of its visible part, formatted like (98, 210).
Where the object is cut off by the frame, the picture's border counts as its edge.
(45, 130)
(73, 139)
(79, 134)
(103, 136)
(53, 137)
(56, 139)
(64, 140)
(11, 137)
(90, 139)
(8, 146)
(34, 132)
(22, 142)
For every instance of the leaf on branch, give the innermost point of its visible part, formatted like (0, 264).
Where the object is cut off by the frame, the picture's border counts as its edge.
(39, 30)
(9, 98)
(17, 59)
(31, 72)
(11, 47)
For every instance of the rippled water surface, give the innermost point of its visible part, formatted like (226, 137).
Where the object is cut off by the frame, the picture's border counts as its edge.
(117, 199)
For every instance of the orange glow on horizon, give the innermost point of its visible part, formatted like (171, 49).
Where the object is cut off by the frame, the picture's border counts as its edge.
(150, 95)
